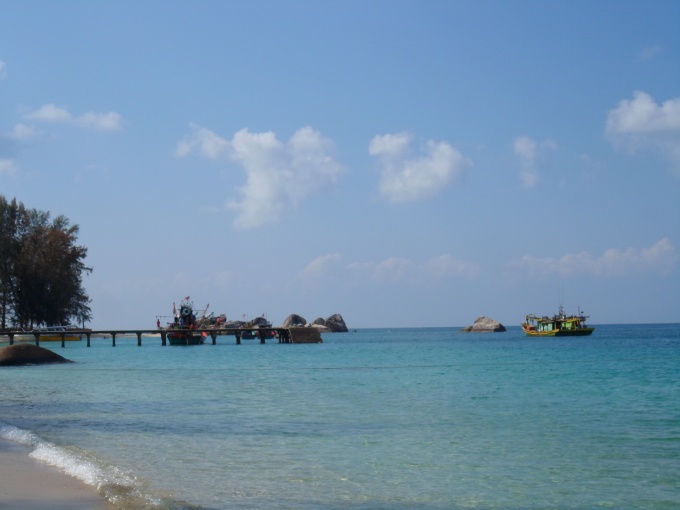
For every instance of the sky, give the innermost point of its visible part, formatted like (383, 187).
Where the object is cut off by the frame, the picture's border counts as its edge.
(404, 163)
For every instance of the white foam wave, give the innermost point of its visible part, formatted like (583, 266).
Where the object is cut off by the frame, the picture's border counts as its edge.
(17, 435)
(110, 481)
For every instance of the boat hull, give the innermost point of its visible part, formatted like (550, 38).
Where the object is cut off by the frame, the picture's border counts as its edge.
(185, 338)
(558, 332)
(30, 337)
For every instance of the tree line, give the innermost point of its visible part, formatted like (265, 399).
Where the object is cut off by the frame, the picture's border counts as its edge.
(41, 269)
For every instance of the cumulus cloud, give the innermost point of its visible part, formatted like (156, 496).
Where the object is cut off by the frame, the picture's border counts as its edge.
(203, 141)
(279, 175)
(661, 257)
(640, 123)
(110, 121)
(404, 178)
(528, 152)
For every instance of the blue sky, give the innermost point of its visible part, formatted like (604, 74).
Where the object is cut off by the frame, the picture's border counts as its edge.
(402, 163)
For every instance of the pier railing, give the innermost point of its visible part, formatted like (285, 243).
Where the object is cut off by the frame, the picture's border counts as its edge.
(299, 335)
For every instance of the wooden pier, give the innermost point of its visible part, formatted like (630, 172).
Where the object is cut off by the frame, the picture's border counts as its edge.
(306, 335)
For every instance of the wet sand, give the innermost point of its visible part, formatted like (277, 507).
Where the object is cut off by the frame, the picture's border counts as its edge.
(27, 484)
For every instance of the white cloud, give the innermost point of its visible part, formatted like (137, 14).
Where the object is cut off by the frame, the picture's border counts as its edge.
(525, 149)
(317, 267)
(529, 153)
(397, 269)
(404, 178)
(641, 123)
(661, 257)
(50, 113)
(203, 141)
(22, 132)
(389, 269)
(444, 266)
(110, 121)
(9, 145)
(278, 175)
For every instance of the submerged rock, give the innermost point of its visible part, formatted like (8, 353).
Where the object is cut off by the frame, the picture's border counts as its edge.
(484, 325)
(28, 354)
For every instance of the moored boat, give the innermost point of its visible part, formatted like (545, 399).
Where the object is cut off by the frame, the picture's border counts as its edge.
(559, 324)
(186, 337)
(182, 330)
(47, 334)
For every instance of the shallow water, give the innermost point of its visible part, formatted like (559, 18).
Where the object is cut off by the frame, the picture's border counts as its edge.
(395, 419)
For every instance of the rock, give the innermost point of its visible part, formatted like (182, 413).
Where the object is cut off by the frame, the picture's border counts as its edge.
(320, 326)
(319, 322)
(484, 325)
(294, 320)
(28, 354)
(336, 324)
(259, 322)
(333, 324)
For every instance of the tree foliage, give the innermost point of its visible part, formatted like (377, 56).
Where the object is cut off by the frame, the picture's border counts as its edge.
(41, 269)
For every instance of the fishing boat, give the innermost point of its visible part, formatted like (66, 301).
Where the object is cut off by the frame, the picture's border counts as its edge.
(182, 330)
(558, 325)
(47, 334)
(185, 337)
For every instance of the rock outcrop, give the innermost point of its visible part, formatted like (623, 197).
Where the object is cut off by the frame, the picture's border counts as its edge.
(484, 325)
(28, 354)
(293, 321)
(333, 324)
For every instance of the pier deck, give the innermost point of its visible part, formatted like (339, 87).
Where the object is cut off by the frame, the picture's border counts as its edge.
(305, 335)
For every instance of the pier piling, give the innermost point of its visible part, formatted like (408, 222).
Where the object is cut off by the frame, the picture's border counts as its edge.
(300, 335)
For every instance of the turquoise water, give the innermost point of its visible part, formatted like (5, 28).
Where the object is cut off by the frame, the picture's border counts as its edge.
(374, 419)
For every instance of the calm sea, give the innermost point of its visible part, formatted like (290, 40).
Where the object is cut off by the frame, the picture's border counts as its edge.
(373, 419)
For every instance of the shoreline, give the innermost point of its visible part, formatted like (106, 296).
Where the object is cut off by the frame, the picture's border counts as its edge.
(28, 484)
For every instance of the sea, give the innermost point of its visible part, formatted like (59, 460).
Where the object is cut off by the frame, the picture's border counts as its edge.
(395, 419)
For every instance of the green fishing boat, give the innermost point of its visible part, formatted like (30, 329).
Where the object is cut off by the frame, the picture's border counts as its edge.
(559, 324)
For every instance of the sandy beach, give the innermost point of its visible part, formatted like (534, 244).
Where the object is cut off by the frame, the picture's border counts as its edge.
(26, 484)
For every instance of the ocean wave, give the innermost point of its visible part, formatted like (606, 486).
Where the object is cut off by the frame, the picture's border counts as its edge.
(122, 489)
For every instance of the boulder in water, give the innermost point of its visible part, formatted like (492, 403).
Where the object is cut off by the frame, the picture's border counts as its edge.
(484, 325)
(28, 354)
